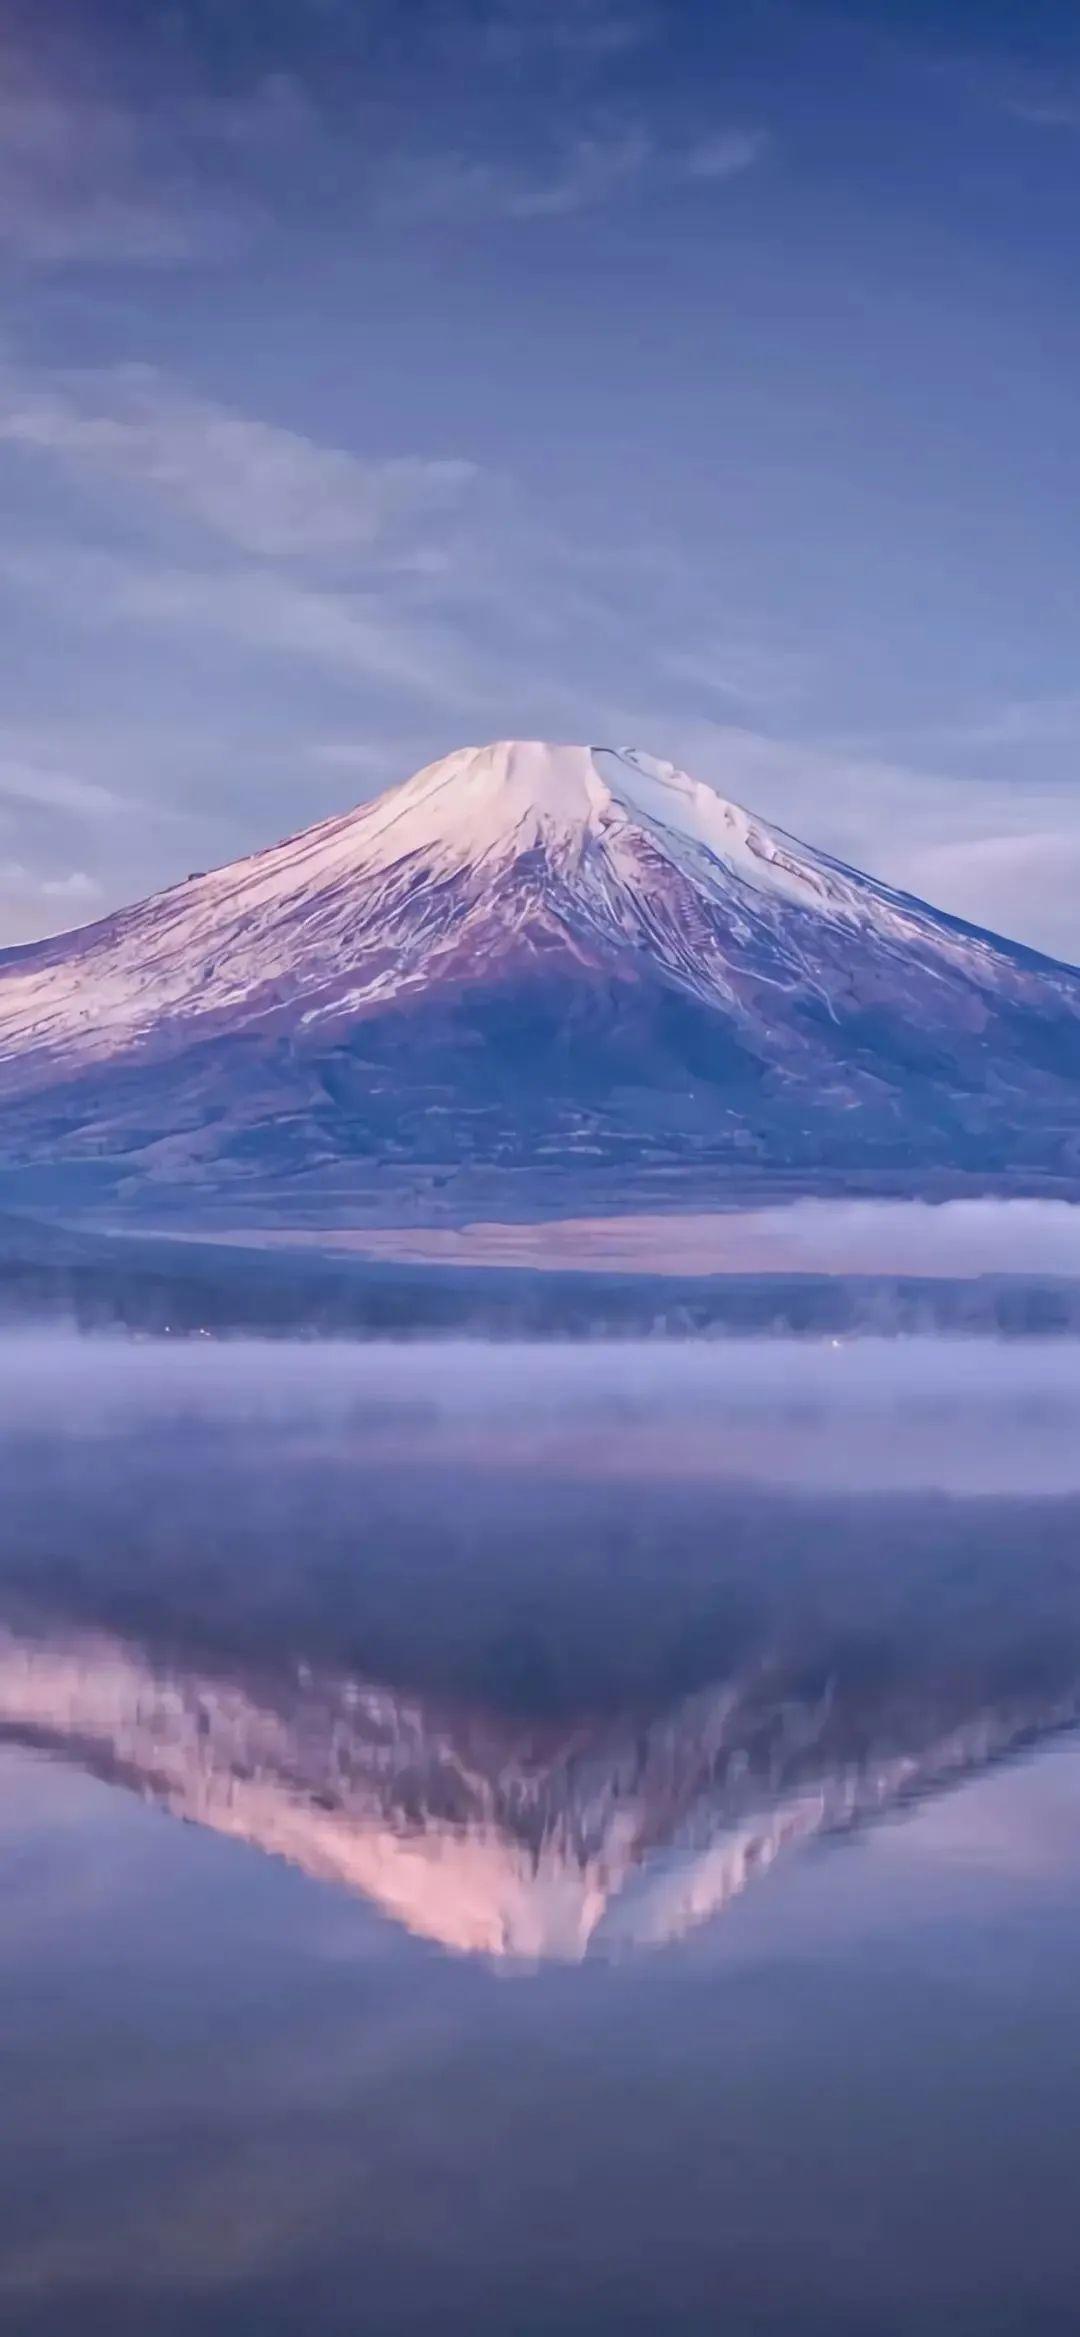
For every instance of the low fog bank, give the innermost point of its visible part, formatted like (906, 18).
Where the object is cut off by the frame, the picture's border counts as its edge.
(825, 1236)
(978, 1416)
(914, 1237)
(810, 1269)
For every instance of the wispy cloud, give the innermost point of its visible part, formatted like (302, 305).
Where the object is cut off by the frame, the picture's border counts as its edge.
(17, 882)
(1045, 96)
(754, 673)
(270, 490)
(354, 634)
(193, 169)
(357, 635)
(725, 155)
(516, 31)
(34, 904)
(92, 177)
(590, 173)
(48, 813)
(586, 173)
(42, 787)
(82, 180)
(1053, 720)
(1053, 111)
(1036, 725)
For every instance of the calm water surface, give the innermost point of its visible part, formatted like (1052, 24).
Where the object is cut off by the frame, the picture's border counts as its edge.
(634, 1877)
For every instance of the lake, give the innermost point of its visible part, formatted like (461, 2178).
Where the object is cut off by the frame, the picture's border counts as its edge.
(631, 1869)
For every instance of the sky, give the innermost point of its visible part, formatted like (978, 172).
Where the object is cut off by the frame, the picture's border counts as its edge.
(382, 376)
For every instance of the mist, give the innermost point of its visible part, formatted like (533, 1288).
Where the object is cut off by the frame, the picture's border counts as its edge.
(805, 1236)
(977, 1416)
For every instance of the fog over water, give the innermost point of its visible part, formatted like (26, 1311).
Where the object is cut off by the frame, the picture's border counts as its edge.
(972, 1415)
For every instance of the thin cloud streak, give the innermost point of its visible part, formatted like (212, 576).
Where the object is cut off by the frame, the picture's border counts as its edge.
(457, 184)
(31, 783)
(1053, 720)
(755, 673)
(77, 886)
(726, 155)
(590, 171)
(271, 491)
(354, 634)
(516, 32)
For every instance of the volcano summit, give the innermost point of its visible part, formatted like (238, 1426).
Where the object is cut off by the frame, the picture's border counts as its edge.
(532, 967)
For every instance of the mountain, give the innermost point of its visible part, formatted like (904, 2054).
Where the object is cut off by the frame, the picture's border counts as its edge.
(530, 971)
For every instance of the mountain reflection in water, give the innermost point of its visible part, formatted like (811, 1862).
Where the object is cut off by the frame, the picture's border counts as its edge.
(494, 1839)
(525, 1712)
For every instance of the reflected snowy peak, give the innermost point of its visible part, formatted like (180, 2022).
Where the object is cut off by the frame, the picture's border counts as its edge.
(500, 1838)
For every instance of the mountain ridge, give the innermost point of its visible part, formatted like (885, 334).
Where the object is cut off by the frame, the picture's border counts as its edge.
(533, 956)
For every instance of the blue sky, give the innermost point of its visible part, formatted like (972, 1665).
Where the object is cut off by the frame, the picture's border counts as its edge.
(380, 375)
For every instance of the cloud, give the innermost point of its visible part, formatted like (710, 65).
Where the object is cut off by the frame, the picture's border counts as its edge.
(269, 490)
(42, 808)
(1046, 97)
(725, 155)
(194, 173)
(34, 905)
(76, 886)
(275, 114)
(592, 170)
(1047, 721)
(26, 783)
(80, 182)
(357, 635)
(516, 31)
(193, 169)
(351, 633)
(583, 174)
(1051, 113)
(758, 674)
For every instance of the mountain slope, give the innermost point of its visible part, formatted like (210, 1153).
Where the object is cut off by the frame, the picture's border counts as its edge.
(532, 959)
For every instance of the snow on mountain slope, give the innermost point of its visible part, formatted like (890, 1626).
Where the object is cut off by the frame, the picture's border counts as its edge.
(599, 823)
(536, 953)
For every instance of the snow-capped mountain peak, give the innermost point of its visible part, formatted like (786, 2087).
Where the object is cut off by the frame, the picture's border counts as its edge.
(519, 791)
(589, 840)
(574, 956)
(516, 794)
